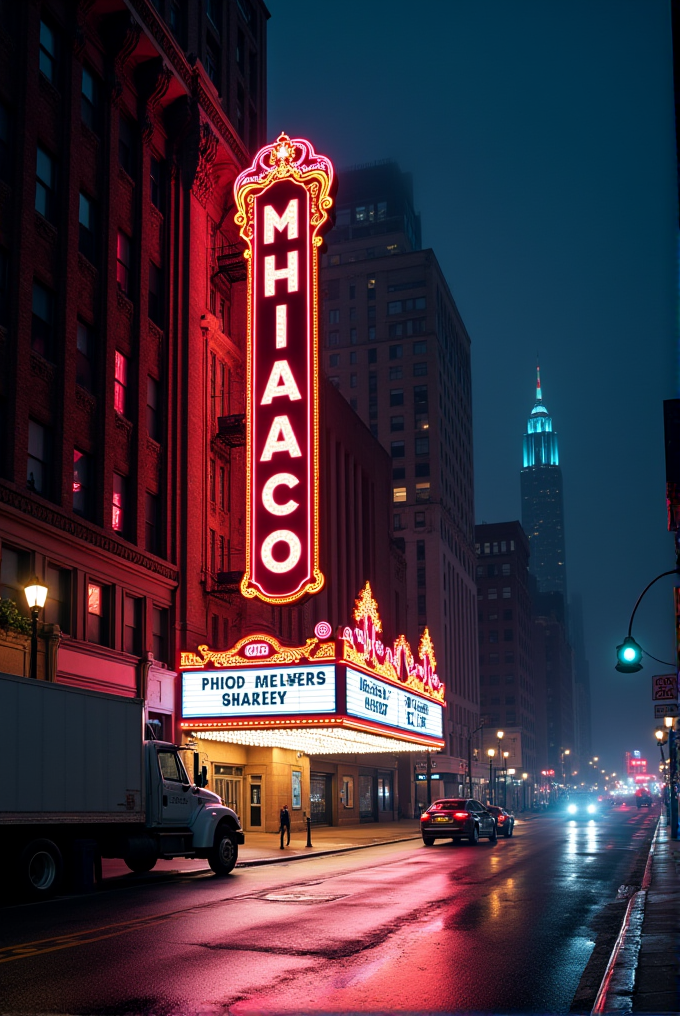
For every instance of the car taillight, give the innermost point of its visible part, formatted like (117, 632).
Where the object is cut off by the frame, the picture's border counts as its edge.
(501, 818)
(424, 817)
(460, 814)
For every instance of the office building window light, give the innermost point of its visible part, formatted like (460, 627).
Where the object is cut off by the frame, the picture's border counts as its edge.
(398, 494)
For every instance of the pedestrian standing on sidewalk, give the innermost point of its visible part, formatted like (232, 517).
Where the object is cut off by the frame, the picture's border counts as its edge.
(284, 825)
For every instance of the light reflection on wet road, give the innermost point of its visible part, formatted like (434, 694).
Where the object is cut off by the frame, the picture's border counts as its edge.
(399, 927)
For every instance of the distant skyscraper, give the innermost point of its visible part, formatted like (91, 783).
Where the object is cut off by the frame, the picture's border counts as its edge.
(542, 504)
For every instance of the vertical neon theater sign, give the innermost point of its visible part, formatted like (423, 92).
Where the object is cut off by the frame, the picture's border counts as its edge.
(283, 203)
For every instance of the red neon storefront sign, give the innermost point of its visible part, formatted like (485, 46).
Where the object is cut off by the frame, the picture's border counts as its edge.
(283, 203)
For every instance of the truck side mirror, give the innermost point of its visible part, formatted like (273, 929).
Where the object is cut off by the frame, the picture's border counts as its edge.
(204, 776)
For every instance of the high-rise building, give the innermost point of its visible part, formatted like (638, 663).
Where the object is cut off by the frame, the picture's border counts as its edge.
(542, 501)
(118, 152)
(506, 655)
(397, 349)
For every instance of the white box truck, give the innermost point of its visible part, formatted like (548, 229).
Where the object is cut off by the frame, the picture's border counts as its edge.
(79, 776)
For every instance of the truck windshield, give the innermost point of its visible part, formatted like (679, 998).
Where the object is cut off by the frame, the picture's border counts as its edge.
(171, 767)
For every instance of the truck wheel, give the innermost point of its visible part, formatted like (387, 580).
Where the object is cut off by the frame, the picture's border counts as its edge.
(224, 853)
(41, 867)
(140, 865)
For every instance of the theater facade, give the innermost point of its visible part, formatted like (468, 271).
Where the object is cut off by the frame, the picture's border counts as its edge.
(320, 727)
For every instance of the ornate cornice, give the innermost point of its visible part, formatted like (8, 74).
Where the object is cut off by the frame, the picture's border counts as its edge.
(125, 305)
(41, 368)
(155, 77)
(85, 399)
(125, 41)
(83, 8)
(207, 153)
(155, 332)
(52, 517)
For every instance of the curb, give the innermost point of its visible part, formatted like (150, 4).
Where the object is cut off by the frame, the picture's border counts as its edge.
(635, 912)
(256, 862)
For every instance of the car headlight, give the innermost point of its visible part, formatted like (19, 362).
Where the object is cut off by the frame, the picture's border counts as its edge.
(572, 809)
(591, 809)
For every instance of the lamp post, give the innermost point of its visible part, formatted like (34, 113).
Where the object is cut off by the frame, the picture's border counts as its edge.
(500, 734)
(563, 753)
(36, 594)
(506, 756)
(471, 734)
(525, 777)
(672, 775)
(491, 752)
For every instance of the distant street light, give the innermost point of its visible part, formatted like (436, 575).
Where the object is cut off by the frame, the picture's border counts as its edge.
(36, 594)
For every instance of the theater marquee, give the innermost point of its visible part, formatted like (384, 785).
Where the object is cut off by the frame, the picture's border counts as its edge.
(283, 203)
(351, 693)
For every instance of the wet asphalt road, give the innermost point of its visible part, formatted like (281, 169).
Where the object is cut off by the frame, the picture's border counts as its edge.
(504, 928)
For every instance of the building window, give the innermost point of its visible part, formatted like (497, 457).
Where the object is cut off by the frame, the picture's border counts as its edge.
(159, 634)
(152, 529)
(399, 495)
(119, 503)
(222, 486)
(396, 521)
(221, 555)
(212, 64)
(422, 605)
(422, 446)
(422, 469)
(399, 473)
(58, 602)
(507, 634)
(212, 551)
(45, 184)
(334, 317)
(493, 635)
(37, 468)
(421, 421)
(48, 52)
(371, 333)
(334, 338)
(354, 404)
(509, 657)
(506, 592)
(334, 360)
(14, 572)
(420, 348)
(90, 101)
(396, 423)
(419, 520)
(420, 403)
(86, 227)
(396, 352)
(507, 615)
(352, 336)
(398, 449)
(120, 384)
(505, 569)
(155, 294)
(373, 355)
(84, 355)
(5, 167)
(422, 492)
(396, 373)
(492, 594)
(82, 483)
(353, 380)
(155, 182)
(152, 408)
(123, 262)
(126, 146)
(97, 613)
(396, 397)
(352, 358)
(211, 480)
(419, 369)
(132, 636)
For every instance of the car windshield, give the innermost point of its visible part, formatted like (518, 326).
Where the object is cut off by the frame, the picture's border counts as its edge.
(447, 805)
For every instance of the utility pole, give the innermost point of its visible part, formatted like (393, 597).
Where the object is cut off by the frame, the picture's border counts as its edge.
(471, 734)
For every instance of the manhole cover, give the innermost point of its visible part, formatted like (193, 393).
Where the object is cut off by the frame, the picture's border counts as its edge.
(294, 897)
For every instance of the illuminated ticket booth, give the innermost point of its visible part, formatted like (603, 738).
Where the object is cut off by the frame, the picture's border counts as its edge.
(318, 727)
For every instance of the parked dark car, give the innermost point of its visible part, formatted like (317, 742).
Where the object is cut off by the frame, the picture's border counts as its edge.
(505, 820)
(457, 819)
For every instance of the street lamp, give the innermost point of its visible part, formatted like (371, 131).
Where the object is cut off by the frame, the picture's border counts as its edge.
(491, 752)
(36, 594)
(564, 752)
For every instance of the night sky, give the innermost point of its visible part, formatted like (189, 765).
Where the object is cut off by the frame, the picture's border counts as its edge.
(541, 141)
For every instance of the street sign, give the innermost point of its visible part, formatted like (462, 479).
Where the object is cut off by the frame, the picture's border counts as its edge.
(665, 709)
(665, 688)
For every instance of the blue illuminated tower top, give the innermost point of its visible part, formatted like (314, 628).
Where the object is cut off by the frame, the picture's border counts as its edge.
(540, 442)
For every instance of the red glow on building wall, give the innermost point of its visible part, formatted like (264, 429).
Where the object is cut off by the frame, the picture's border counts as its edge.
(283, 203)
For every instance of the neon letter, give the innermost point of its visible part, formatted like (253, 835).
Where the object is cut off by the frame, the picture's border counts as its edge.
(279, 480)
(290, 272)
(294, 551)
(281, 439)
(281, 326)
(288, 219)
(281, 382)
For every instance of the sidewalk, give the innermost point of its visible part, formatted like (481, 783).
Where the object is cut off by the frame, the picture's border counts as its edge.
(263, 848)
(643, 975)
(657, 977)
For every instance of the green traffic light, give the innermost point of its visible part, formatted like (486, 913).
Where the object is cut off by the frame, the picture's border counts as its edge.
(628, 655)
